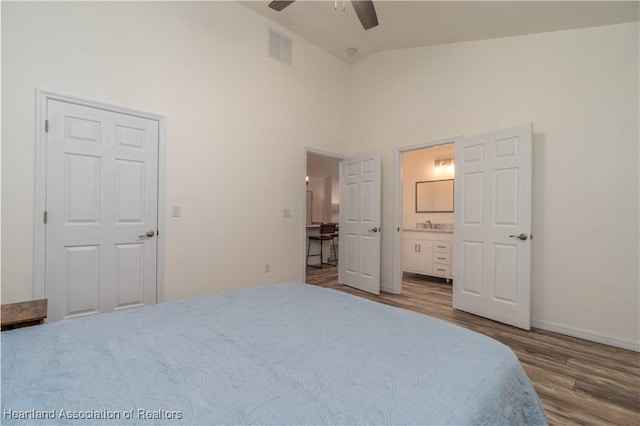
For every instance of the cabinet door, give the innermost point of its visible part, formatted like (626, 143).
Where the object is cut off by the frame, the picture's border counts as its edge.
(410, 255)
(425, 260)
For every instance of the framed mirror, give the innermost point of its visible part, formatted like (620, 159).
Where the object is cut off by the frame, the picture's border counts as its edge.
(434, 196)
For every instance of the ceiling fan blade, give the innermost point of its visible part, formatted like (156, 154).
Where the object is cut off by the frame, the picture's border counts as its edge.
(366, 13)
(280, 4)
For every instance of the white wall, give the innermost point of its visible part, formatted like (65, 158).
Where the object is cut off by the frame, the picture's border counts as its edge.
(316, 186)
(580, 90)
(237, 125)
(418, 166)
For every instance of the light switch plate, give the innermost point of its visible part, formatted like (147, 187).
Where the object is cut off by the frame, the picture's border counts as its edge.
(286, 213)
(176, 211)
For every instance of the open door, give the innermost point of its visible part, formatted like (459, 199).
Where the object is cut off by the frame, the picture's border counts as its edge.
(360, 182)
(492, 240)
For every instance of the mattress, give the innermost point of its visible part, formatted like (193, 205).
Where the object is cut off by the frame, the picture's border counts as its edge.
(281, 354)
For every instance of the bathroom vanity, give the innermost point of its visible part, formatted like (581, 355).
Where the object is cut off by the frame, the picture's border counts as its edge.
(428, 252)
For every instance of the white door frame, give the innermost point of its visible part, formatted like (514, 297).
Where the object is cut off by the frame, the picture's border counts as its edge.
(397, 206)
(303, 203)
(41, 184)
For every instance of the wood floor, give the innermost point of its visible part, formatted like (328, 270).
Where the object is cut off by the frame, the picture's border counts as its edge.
(578, 382)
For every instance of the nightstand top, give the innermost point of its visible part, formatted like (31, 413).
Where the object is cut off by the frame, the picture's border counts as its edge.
(16, 313)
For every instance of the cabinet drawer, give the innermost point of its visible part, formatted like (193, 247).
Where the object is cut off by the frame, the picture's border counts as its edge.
(441, 270)
(443, 258)
(442, 246)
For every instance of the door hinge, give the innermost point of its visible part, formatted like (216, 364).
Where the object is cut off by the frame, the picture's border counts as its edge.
(45, 216)
(46, 126)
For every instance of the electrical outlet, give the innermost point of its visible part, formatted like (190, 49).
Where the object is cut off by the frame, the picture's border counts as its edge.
(286, 213)
(267, 267)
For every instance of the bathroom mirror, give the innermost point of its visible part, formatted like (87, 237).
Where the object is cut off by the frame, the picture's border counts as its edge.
(435, 196)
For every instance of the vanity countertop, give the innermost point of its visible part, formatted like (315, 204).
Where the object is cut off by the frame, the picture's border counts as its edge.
(438, 231)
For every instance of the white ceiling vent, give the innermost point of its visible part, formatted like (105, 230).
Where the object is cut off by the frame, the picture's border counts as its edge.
(279, 47)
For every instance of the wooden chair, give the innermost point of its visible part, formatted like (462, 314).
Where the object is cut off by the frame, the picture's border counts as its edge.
(326, 233)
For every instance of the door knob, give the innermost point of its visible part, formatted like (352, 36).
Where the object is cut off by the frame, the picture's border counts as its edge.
(373, 230)
(149, 234)
(523, 237)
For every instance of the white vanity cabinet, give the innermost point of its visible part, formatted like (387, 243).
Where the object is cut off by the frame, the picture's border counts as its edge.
(428, 253)
(417, 255)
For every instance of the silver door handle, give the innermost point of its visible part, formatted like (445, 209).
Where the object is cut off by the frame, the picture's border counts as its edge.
(149, 234)
(523, 237)
(373, 230)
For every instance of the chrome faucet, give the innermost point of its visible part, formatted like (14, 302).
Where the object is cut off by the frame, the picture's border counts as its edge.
(428, 223)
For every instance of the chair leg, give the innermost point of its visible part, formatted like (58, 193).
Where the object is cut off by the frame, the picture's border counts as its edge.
(335, 252)
(334, 261)
(311, 255)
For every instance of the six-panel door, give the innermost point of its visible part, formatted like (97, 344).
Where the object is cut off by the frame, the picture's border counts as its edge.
(102, 185)
(492, 208)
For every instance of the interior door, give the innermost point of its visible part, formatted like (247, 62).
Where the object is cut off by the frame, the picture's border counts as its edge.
(102, 210)
(492, 239)
(360, 182)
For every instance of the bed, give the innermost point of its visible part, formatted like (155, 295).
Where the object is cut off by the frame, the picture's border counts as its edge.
(281, 354)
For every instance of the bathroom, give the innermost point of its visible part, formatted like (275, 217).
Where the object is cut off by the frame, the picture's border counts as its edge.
(427, 211)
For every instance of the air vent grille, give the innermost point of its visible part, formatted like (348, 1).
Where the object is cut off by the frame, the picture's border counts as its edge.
(279, 47)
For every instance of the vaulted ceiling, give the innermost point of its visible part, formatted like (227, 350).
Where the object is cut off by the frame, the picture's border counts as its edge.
(405, 24)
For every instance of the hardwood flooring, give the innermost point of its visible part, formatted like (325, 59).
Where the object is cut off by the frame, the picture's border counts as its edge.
(578, 382)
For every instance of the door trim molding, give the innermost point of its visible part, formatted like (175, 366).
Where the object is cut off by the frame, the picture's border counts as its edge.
(396, 285)
(43, 97)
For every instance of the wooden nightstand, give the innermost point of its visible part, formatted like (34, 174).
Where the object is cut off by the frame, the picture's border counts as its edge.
(23, 314)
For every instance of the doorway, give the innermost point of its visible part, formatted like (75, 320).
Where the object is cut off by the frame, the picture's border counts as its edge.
(491, 253)
(322, 206)
(424, 212)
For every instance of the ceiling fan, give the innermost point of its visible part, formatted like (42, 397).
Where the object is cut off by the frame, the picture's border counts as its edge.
(363, 8)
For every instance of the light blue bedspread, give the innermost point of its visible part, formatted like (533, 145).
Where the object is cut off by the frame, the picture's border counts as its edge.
(281, 354)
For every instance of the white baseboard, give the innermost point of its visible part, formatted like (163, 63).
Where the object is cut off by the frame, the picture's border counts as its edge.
(587, 335)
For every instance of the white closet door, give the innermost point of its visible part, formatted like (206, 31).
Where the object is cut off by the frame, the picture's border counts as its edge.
(102, 210)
